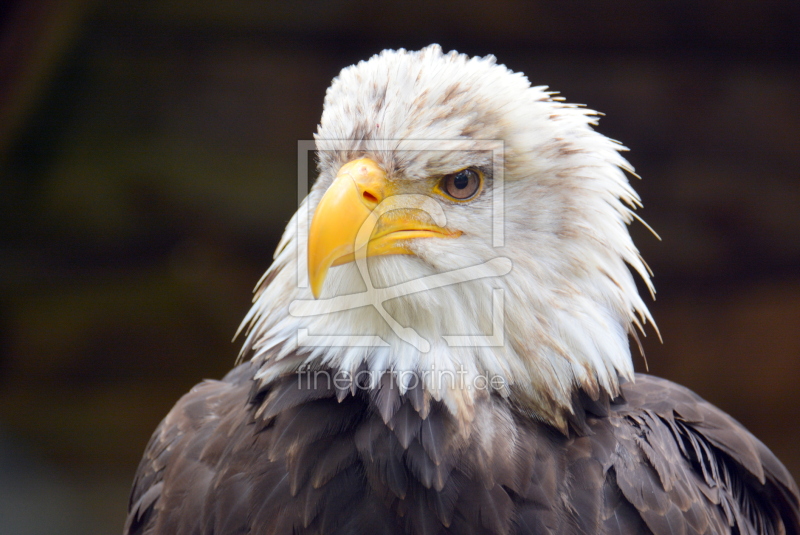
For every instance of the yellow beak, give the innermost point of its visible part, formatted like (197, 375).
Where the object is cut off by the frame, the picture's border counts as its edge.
(352, 215)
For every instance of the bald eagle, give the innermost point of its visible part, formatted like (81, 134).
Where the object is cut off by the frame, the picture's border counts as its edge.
(442, 342)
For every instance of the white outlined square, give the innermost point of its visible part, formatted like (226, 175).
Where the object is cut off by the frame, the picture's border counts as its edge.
(375, 297)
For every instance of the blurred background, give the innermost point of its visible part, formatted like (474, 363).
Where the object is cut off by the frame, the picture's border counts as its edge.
(148, 166)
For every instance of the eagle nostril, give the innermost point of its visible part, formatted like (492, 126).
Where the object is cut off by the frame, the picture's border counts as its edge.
(370, 198)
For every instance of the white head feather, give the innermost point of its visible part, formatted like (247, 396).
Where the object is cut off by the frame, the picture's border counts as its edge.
(570, 299)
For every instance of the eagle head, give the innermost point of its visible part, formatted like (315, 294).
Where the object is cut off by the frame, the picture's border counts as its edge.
(465, 225)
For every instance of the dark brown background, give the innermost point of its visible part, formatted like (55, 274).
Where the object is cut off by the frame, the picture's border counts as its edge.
(148, 165)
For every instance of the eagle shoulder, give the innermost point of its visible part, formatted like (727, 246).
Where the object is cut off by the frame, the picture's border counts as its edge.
(687, 467)
(183, 456)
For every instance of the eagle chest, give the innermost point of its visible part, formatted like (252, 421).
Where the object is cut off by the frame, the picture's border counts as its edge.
(331, 461)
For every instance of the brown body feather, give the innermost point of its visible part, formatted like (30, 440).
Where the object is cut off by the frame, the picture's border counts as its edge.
(233, 457)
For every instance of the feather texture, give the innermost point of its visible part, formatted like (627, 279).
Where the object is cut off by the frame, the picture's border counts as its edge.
(662, 461)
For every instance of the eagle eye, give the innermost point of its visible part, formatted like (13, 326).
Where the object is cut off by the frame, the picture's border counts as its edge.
(462, 185)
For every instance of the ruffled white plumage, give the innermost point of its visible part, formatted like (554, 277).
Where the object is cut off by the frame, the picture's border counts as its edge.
(570, 299)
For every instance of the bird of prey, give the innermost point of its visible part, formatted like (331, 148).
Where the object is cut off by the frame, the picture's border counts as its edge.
(441, 344)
